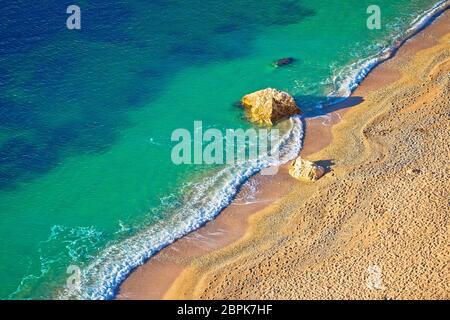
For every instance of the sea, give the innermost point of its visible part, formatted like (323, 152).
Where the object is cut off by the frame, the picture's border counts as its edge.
(88, 187)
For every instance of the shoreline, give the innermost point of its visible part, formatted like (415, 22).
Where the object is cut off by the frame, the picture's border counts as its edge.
(163, 274)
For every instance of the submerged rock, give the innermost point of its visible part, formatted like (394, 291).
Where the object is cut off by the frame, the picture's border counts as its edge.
(306, 170)
(268, 106)
(413, 171)
(237, 104)
(284, 62)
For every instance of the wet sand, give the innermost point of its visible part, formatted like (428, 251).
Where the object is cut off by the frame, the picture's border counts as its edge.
(251, 249)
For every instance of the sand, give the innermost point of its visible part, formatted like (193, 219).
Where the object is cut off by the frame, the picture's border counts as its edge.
(375, 226)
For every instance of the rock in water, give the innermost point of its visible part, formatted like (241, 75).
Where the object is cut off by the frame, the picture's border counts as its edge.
(268, 106)
(284, 62)
(306, 170)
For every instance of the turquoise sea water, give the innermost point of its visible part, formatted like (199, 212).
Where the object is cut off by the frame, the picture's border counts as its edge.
(86, 176)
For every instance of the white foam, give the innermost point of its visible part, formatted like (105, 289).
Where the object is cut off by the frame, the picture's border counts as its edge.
(348, 78)
(101, 278)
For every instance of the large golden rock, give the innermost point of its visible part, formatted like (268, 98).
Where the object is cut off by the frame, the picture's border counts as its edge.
(305, 170)
(268, 106)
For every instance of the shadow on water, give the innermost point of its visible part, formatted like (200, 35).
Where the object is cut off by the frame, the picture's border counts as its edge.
(313, 106)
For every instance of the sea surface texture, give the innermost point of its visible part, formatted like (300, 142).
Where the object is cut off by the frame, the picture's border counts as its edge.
(86, 118)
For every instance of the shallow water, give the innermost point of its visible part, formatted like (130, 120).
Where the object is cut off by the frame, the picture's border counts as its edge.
(87, 115)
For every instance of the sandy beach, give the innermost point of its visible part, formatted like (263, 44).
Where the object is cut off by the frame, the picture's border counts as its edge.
(376, 226)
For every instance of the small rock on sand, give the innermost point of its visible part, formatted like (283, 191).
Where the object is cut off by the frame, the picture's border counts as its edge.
(284, 62)
(306, 170)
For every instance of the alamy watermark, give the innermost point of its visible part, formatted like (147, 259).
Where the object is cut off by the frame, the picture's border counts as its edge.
(233, 146)
(73, 22)
(374, 20)
(73, 282)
